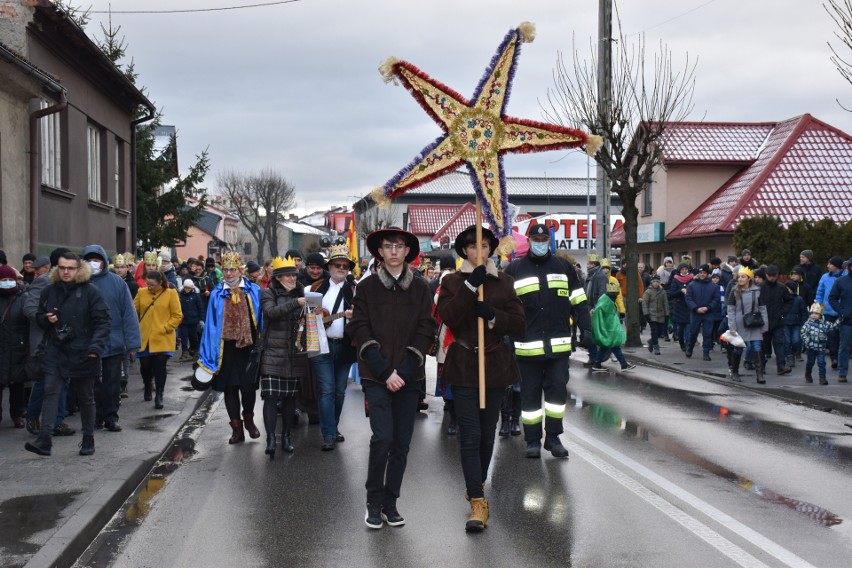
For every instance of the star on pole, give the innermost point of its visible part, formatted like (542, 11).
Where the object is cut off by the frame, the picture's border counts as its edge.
(477, 131)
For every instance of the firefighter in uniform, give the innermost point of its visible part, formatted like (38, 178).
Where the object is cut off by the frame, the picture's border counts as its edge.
(551, 293)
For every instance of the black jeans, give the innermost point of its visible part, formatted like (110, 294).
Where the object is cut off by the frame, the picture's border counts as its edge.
(108, 389)
(476, 433)
(154, 367)
(189, 340)
(658, 329)
(54, 380)
(550, 377)
(392, 422)
(17, 403)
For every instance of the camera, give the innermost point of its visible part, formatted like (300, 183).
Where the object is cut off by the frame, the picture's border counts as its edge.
(63, 333)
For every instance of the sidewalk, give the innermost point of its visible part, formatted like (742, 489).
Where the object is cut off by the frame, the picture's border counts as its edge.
(792, 387)
(51, 508)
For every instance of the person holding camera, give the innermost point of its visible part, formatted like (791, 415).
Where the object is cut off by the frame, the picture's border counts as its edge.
(76, 319)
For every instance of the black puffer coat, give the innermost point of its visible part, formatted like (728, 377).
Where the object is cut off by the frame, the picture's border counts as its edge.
(14, 336)
(281, 313)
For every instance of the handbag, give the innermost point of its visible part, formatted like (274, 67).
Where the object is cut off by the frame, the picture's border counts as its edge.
(752, 319)
(253, 365)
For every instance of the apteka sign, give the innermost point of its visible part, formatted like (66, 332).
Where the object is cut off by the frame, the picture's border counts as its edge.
(571, 231)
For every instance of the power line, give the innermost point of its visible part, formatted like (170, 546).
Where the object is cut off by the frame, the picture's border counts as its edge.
(664, 22)
(188, 11)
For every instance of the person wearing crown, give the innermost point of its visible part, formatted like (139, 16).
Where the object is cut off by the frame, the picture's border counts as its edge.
(150, 261)
(231, 327)
(284, 362)
(332, 369)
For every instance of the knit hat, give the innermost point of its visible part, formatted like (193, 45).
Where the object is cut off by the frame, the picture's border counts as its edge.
(716, 272)
(704, 268)
(745, 252)
(807, 253)
(732, 258)
(7, 271)
(210, 262)
(655, 279)
(771, 270)
(668, 259)
(55, 253)
(252, 267)
(681, 266)
(294, 254)
(792, 286)
(316, 259)
(760, 273)
(836, 260)
(798, 270)
(28, 256)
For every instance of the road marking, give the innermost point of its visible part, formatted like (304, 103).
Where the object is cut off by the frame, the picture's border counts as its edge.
(698, 528)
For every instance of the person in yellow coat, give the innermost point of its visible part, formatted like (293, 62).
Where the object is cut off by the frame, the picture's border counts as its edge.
(159, 312)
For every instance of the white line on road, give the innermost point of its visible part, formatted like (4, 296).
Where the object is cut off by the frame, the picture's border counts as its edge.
(701, 530)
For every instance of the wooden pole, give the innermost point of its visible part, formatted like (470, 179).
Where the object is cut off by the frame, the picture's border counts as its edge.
(480, 323)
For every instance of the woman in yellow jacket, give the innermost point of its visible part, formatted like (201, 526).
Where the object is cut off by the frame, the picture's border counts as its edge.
(159, 315)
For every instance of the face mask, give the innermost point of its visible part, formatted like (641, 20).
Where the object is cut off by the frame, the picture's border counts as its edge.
(539, 249)
(612, 295)
(96, 266)
(8, 284)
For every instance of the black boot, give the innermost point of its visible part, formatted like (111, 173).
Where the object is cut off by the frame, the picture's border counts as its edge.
(161, 389)
(504, 425)
(759, 368)
(40, 445)
(515, 427)
(87, 446)
(286, 441)
(148, 390)
(735, 367)
(270, 446)
(452, 428)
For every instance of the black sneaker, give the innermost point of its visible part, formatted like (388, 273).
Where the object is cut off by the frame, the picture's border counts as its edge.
(87, 446)
(112, 427)
(598, 368)
(339, 437)
(327, 444)
(627, 366)
(707, 358)
(33, 426)
(391, 516)
(373, 518)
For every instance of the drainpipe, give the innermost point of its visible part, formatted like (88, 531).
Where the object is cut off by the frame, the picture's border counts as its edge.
(152, 112)
(35, 172)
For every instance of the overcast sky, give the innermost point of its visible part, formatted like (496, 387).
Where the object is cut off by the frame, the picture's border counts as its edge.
(295, 86)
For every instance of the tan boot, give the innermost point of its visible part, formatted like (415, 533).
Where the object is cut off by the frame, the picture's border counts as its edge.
(478, 519)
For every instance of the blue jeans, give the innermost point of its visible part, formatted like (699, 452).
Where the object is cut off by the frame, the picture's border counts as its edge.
(331, 372)
(603, 354)
(793, 338)
(705, 321)
(752, 347)
(819, 357)
(37, 400)
(843, 352)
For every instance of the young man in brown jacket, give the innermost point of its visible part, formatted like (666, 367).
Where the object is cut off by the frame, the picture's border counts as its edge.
(392, 327)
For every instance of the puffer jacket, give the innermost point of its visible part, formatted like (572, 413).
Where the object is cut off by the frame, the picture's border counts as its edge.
(14, 336)
(282, 314)
(655, 304)
(815, 334)
(81, 306)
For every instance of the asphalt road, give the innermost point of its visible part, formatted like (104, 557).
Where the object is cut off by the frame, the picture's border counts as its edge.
(665, 470)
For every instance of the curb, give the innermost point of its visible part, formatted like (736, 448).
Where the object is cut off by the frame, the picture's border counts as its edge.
(792, 396)
(78, 531)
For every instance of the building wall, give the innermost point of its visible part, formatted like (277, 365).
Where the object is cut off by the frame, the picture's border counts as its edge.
(683, 188)
(195, 244)
(68, 217)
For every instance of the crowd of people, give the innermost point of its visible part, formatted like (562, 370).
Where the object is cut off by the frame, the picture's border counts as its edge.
(72, 324)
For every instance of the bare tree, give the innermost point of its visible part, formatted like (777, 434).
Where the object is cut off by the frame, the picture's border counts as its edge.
(841, 12)
(644, 101)
(379, 217)
(260, 201)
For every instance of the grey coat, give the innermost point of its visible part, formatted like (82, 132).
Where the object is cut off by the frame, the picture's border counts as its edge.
(738, 306)
(281, 313)
(655, 304)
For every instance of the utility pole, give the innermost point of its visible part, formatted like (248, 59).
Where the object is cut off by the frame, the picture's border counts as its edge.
(604, 98)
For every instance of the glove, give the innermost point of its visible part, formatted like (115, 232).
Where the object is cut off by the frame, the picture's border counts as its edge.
(477, 277)
(376, 363)
(485, 311)
(587, 339)
(408, 367)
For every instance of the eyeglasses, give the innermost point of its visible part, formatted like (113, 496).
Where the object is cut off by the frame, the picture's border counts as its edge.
(340, 266)
(393, 246)
(66, 268)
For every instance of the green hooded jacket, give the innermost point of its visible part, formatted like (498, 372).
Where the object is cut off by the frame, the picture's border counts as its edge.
(606, 325)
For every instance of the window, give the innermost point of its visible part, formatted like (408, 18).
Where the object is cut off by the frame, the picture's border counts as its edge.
(118, 177)
(93, 139)
(647, 199)
(51, 148)
(696, 259)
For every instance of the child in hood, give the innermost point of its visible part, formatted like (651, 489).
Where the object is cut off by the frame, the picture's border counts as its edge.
(607, 331)
(815, 339)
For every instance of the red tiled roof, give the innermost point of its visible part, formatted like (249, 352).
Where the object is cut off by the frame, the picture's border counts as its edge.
(464, 218)
(715, 142)
(428, 219)
(804, 171)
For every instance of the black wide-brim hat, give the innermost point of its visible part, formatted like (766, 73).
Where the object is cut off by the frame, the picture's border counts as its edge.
(374, 242)
(469, 235)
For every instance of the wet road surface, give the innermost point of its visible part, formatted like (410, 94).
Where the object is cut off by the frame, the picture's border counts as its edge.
(665, 470)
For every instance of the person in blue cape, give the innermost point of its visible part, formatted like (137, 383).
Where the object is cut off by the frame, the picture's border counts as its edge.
(232, 326)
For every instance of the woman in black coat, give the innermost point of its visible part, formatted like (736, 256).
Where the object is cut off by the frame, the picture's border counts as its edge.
(14, 340)
(284, 360)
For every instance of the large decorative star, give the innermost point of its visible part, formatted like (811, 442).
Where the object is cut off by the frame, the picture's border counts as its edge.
(476, 132)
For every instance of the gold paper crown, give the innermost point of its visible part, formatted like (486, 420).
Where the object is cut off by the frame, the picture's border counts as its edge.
(129, 258)
(817, 308)
(119, 259)
(151, 257)
(338, 251)
(747, 271)
(232, 259)
(279, 262)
